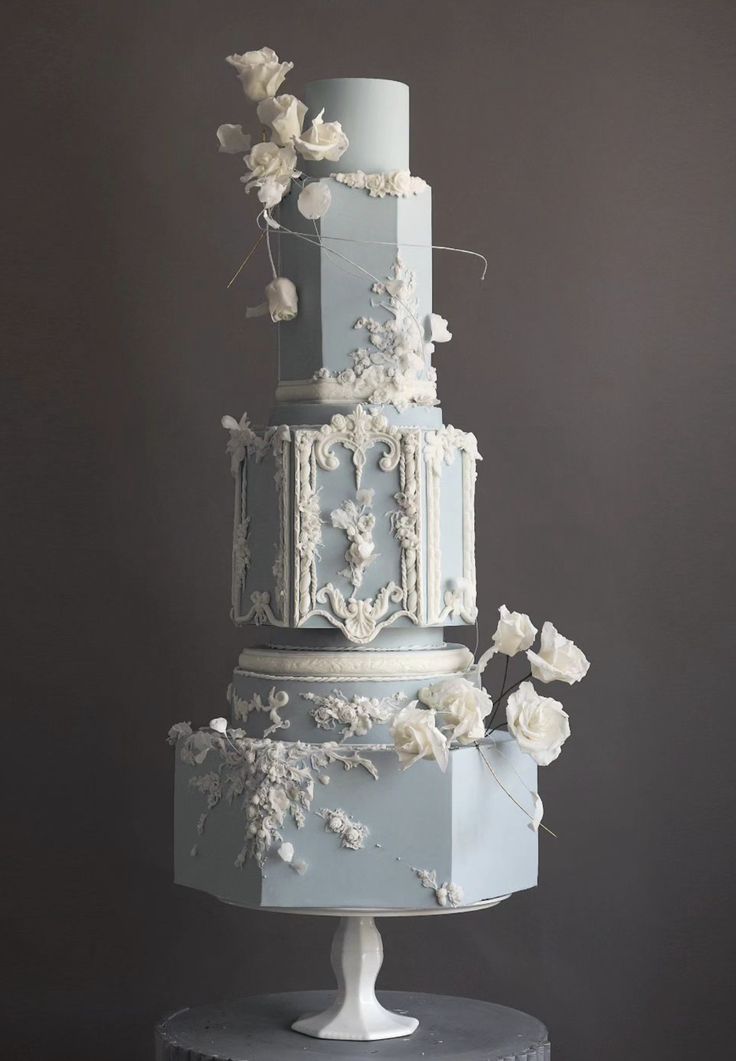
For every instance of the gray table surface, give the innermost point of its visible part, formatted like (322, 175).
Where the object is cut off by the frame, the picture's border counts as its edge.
(257, 1029)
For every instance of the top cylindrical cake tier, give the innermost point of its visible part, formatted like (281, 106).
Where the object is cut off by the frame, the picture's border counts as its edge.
(375, 116)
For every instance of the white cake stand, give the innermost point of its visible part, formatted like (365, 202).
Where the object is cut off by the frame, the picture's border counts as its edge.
(357, 956)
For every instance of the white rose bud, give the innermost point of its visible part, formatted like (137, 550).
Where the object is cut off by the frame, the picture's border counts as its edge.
(558, 659)
(538, 723)
(323, 140)
(232, 139)
(462, 707)
(283, 303)
(271, 192)
(314, 201)
(416, 737)
(284, 115)
(515, 632)
(260, 72)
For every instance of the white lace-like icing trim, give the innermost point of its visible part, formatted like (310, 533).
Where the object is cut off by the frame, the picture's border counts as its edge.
(399, 183)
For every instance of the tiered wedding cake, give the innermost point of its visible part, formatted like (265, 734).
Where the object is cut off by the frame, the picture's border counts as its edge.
(357, 770)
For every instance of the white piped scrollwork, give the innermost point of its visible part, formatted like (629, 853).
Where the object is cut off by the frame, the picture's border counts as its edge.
(360, 619)
(357, 432)
(242, 708)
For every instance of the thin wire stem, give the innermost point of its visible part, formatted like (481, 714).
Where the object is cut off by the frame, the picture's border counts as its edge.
(513, 800)
(247, 258)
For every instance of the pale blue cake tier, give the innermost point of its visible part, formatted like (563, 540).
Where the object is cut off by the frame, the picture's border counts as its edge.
(361, 241)
(460, 824)
(323, 695)
(374, 113)
(334, 293)
(294, 559)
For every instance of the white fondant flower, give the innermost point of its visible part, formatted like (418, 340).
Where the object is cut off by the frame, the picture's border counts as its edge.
(375, 184)
(439, 332)
(461, 705)
(449, 894)
(269, 160)
(260, 72)
(416, 736)
(219, 725)
(515, 632)
(283, 303)
(314, 200)
(539, 723)
(399, 182)
(232, 139)
(558, 659)
(271, 192)
(284, 115)
(323, 140)
(286, 852)
(353, 838)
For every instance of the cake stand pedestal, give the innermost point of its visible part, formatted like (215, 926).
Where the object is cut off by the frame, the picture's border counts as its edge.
(356, 1013)
(259, 1029)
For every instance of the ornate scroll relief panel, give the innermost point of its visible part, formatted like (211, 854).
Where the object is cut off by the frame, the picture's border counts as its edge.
(450, 599)
(367, 442)
(261, 546)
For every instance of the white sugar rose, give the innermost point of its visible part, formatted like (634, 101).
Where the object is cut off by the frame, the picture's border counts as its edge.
(538, 723)
(314, 201)
(374, 185)
(269, 160)
(260, 72)
(558, 659)
(284, 115)
(323, 140)
(400, 182)
(438, 330)
(462, 707)
(232, 139)
(515, 632)
(283, 303)
(416, 736)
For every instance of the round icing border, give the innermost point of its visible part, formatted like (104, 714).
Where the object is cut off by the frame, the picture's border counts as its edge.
(346, 666)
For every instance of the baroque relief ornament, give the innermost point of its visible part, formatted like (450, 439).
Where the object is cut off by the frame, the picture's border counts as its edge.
(355, 715)
(357, 520)
(242, 708)
(273, 780)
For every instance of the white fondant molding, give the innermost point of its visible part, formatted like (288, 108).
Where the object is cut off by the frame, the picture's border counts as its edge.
(399, 183)
(441, 448)
(329, 389)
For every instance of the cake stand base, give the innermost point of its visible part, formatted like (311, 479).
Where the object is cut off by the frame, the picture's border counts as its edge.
(259, 1029)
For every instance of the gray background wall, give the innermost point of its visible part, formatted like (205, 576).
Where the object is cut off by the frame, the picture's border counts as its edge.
(588, 149)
